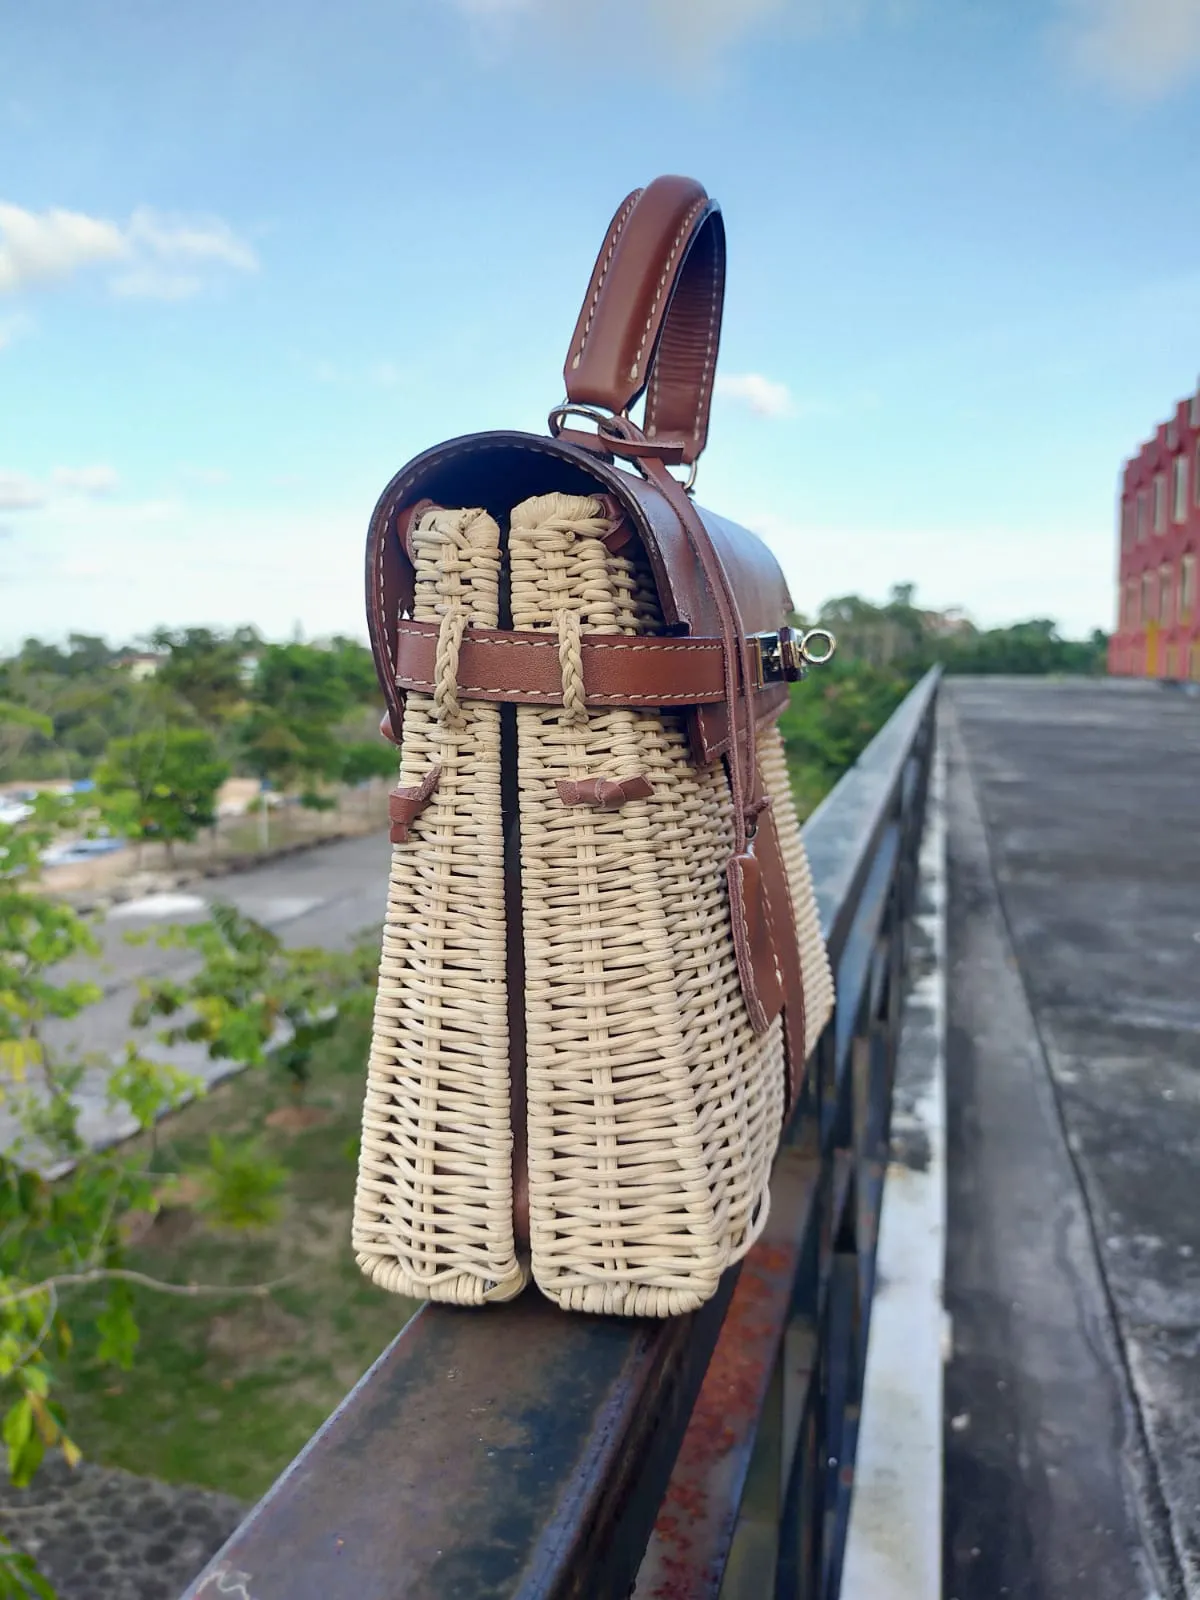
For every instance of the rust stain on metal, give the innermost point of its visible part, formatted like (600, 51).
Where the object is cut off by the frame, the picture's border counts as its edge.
(724, 1419)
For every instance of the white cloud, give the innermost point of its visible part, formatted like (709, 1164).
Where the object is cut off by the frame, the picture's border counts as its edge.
(763, 395)
(156, 256)
(1141, 48)
(40, 246)
(19, 493)
(169, 257)
(86, 480)
(206, 477)
(177, 239)
(696, 29)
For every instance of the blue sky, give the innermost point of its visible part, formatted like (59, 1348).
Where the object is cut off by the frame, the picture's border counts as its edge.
(253, 256)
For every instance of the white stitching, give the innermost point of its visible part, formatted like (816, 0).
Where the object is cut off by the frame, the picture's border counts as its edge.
(616, 234)
(537, 697)
(591, 644)
(399, 486)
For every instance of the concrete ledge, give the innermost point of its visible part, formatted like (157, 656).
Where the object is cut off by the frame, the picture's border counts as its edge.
(894, 1545)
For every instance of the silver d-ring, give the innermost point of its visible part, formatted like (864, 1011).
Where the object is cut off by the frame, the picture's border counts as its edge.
(689, 483)
(593, 413)
(813, 636)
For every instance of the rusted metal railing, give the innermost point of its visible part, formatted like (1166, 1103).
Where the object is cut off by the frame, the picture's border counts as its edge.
(524, 1452)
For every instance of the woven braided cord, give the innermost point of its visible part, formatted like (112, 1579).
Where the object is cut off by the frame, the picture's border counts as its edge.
(433, 1210)
(653, 1109)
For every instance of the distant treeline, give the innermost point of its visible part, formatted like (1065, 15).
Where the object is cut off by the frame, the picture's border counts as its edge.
(304, 716)
(159, 727)
(882, 651)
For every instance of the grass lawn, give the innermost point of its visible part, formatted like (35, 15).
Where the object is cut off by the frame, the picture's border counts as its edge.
(224, 1392)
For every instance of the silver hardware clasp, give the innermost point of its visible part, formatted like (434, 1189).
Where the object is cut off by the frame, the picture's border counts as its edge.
(786, 655)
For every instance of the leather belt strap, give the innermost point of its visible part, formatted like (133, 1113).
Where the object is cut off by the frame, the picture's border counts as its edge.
(618, 670)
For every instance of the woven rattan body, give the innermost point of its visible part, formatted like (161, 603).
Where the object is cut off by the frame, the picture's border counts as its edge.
(653, 1109)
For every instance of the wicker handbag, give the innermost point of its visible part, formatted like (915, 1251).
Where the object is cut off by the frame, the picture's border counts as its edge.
(602, 970)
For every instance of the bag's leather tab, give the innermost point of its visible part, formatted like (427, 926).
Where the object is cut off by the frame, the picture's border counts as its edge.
(672, 451)
(609, 794)
(754, 939)
(651, 318)
(407, 801)
(773, 870)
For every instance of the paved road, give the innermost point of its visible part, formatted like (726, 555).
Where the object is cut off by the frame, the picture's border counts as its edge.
(327, 896)
(1073, 1270)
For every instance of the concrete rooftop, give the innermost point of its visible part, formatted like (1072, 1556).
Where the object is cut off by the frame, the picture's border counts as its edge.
(1072, 1397)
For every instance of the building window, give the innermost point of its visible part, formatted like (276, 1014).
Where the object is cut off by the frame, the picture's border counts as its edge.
(1179, 498)
(1164, 595)
(1187, 587)
(1148, 597)
(1129, 607)
(1127, 522)
(1160, 502)
(1194, 410)
(1143, 511)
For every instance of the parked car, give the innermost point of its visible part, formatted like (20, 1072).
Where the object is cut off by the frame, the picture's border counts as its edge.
(77, 850)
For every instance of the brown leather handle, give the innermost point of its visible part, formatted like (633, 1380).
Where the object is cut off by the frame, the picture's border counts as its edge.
(651, 320)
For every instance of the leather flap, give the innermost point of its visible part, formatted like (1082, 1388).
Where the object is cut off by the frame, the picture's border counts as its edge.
(688, 603)
(500, 469)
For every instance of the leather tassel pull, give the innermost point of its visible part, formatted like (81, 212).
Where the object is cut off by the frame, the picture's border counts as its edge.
(754, 940)
(608, 794)
(406, 803)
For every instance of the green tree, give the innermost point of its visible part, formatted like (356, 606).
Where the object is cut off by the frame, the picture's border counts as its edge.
(51, 1236)
(63, 1244)
(88, 701)
(205, 669)
(366, 759)
(18, 725)
(86, 655)
(301, 693)
(831, 718)
(252, 999)
(356, 668)
(1026, 648)
(161, 784)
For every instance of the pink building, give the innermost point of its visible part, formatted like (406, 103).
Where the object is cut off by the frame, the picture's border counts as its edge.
(1158, 616)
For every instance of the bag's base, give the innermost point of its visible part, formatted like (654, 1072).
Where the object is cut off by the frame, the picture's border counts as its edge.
(456, 1289)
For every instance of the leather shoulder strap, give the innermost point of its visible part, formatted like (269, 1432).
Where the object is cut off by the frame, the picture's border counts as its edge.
(651, 318)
